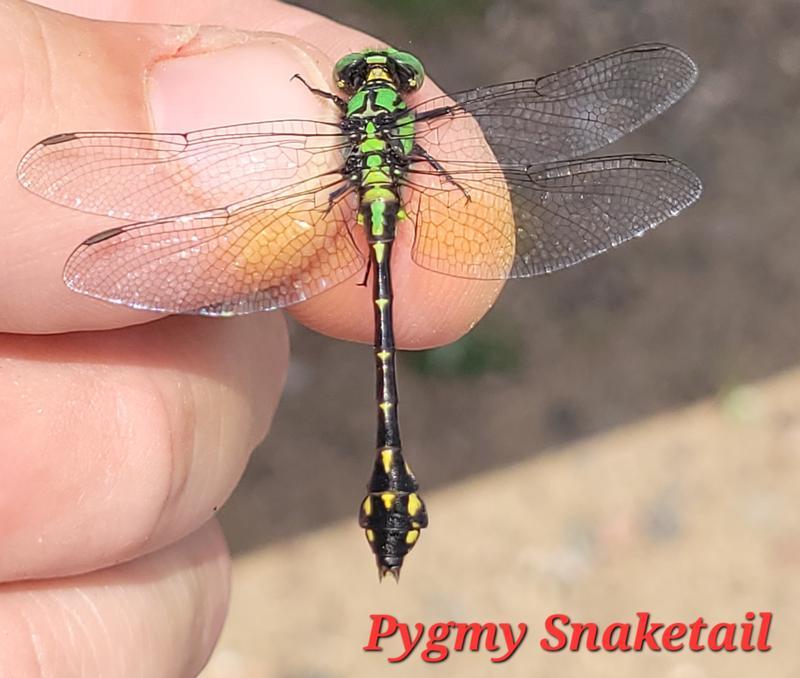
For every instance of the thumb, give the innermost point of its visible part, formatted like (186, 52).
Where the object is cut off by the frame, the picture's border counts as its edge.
(62, 73)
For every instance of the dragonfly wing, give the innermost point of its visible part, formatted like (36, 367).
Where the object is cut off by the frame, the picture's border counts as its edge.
(562, 115)
(559, 214)
(150, 176)
(253, 257)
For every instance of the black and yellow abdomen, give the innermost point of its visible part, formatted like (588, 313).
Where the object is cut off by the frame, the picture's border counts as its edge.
(392, 514)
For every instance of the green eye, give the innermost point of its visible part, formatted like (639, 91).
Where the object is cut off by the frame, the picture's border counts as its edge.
(412, 65)
(345, 62)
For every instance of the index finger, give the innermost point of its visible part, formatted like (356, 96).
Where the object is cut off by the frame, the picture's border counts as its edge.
(140, 77)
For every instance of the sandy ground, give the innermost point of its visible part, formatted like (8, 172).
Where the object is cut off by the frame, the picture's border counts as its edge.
(643, 453)
(689, 513)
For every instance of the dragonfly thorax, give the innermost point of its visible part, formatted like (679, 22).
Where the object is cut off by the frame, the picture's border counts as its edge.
(381, 130)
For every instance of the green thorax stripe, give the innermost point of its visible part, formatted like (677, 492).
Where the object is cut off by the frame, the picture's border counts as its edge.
(379, 199)
(371, 100)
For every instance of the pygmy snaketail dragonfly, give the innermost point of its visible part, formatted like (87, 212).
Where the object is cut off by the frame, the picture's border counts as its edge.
(495, 183)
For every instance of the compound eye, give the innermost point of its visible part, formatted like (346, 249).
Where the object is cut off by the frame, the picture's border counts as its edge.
(412, 80)
(350, 73)
(359, 75)
(409, 71)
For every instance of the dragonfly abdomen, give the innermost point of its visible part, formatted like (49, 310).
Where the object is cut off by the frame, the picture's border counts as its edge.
(392, 514)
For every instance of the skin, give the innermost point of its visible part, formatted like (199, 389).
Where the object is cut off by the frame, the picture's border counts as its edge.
(122, 432)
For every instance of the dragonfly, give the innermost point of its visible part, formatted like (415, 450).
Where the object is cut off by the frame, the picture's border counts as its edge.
(496, 182)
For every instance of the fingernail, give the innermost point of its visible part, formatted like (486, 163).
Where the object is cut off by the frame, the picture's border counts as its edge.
(225, 77)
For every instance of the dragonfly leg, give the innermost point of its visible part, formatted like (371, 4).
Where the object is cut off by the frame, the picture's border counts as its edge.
(435, 113)
(333, 196)
(433, 162)
(331, 200)
(340, 103)
(363, 283)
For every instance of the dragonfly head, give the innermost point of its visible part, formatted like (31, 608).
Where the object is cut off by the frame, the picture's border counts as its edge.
(402, 69)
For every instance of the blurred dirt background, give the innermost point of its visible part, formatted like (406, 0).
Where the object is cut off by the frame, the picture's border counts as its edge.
(621, 436)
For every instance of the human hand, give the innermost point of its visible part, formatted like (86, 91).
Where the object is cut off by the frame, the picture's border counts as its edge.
(120, 437)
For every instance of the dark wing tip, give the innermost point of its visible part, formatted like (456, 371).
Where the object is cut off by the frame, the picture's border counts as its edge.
(676, 54)
(71, 274)
(58, 139)
(694, 185)
(35, 152)
(103, 235)
(688, 62)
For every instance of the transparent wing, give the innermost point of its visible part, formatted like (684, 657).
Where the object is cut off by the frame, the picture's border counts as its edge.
(151, 176)
(563, 115)
(518, 222)
(256, 256)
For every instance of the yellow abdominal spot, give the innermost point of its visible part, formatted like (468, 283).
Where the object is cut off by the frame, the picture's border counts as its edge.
(412, 536)
(388, 499)
(370, 536)
(386, 457)
(367, 506)
(414, 504)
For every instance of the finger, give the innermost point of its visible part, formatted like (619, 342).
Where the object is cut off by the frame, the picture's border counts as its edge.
(328, 37)
(118, 443)
(158, 616)
(51, 86)
(193, 80)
